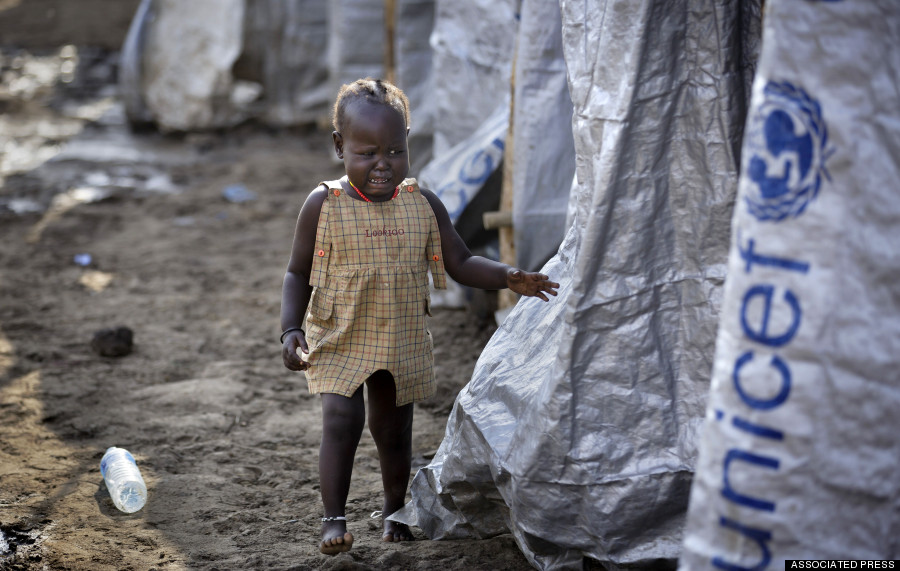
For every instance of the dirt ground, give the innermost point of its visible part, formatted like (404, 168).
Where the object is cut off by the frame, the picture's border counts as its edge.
(226, 437)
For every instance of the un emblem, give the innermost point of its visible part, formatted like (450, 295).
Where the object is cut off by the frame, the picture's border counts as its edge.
(786, 141)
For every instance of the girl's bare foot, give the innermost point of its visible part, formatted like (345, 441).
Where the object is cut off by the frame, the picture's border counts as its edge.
(335, 537)
(394, 531)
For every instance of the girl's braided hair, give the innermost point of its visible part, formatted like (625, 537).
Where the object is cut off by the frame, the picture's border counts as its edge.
(373, 91)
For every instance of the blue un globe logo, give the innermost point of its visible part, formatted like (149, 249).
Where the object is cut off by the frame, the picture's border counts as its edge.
(786, 141)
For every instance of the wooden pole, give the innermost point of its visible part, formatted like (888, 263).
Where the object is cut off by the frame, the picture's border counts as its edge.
(508, 298)
(390, 15)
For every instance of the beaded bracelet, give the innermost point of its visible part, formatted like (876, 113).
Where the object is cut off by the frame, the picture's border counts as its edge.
(288, 330)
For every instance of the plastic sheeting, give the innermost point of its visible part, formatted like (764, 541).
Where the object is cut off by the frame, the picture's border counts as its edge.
(357, 27)
(186, 64)
(473, 45)
(131, 65)
(192, 65)
(459, 174)
(800, 455)
(543, 149)
(414, 20)
(577, 432)
(286, 44)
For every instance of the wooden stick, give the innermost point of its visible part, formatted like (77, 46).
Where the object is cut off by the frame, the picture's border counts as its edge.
(507, 298)
(390, 15)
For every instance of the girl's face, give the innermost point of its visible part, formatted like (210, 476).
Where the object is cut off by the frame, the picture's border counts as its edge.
(372, 144)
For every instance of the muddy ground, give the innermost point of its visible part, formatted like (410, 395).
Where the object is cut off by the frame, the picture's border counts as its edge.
(104, 227)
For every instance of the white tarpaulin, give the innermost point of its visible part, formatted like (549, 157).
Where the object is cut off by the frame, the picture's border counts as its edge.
(472, 87)
(286, 44)
(800, 454)
(188, 53)
(414, 20)
(356, 49)
(459, 174)
(213, 63)
(179, 61)
(577, 432)
(473, 45)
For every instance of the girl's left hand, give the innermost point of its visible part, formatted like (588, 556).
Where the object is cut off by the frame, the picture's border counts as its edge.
(531, 284)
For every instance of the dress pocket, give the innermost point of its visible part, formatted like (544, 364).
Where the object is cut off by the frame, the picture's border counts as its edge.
(425, 295)
(321, 306)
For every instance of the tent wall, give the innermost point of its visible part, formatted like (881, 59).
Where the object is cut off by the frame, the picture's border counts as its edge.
(543, 154)
(186, 62)
(356, 46)
(542, 146)
(285, 46)
(578, 430)
(473, 45)
(414, 20)
(207, 64)
(800, 455)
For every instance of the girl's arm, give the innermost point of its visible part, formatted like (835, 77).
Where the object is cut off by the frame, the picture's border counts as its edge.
(476, 271)
(295, 291)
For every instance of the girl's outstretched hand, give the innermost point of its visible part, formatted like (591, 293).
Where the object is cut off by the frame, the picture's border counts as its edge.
(294, 343)
(530, 283)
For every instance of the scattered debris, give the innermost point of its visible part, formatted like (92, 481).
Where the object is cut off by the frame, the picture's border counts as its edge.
(95, 281)
(184, 221)
(18, 547)
(61, 204)
(113, 342)
(238, 193)
(83, 259)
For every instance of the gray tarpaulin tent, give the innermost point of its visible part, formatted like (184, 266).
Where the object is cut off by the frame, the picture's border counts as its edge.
(800, 454)
(578, 430)
(478, 46)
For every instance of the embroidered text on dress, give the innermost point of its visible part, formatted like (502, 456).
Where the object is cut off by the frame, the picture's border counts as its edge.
(384, 232)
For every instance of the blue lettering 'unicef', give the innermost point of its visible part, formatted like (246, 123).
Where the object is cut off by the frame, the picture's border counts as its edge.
(759, 331)
(480, 166)
(784, 391)
(786, 141)
(760, 537)
(472, 171)
(454, 197)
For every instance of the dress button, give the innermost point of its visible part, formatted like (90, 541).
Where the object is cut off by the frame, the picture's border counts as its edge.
(337, 192)
(435, 257)
(321, 253)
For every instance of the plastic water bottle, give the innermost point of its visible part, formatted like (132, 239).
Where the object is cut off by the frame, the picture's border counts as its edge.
(123, 480)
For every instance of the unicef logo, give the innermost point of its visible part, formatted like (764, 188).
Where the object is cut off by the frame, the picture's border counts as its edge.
(787, 141)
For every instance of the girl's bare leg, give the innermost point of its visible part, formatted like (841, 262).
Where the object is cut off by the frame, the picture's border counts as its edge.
(391, 427)
(342, 423)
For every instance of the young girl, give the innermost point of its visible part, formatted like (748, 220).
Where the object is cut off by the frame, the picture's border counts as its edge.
(362, 248)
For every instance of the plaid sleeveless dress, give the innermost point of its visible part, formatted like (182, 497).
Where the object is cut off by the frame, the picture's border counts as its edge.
(371, 293)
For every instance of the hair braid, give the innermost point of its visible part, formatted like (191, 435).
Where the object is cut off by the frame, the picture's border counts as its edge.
(373, 91)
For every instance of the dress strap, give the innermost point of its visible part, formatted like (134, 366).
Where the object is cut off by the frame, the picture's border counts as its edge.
(433, 253)
(322, 250)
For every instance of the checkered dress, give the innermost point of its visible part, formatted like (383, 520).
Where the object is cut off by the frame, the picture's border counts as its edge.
(370, 274)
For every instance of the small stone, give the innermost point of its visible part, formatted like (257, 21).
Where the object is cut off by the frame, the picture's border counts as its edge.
(113, 342)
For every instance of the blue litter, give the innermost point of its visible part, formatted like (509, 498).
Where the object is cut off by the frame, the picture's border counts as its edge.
(83, 259)
(238, 193)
